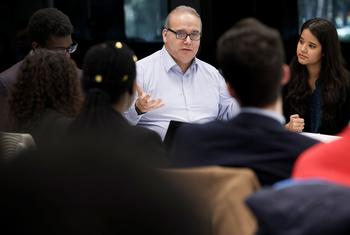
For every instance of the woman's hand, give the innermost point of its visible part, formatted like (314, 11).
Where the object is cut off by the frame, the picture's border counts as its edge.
(296, 123)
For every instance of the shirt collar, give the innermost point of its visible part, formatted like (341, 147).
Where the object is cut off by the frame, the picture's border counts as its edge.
(170, 63)
(268, 113)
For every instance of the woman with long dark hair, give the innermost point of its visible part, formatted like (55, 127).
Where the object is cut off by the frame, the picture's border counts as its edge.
(109, 73)
(317, 98)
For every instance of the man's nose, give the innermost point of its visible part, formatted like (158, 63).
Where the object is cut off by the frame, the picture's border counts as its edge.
(188, 39)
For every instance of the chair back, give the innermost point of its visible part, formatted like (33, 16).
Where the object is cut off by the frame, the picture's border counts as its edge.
(220, 193)
(14, 143)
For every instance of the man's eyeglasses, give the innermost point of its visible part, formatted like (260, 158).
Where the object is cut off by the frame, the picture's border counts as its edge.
(71, 49)
(194, 36)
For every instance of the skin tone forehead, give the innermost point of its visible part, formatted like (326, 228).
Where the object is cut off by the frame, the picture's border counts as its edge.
(181, 20)
(59, 42)
(306, 35)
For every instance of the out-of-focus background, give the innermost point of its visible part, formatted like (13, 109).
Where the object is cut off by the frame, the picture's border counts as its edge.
(139, 22)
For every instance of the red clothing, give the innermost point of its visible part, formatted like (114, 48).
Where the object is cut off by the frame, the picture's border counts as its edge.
(329, 161)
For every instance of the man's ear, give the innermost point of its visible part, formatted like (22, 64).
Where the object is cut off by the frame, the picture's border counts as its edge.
(285, 74)
(164, 32)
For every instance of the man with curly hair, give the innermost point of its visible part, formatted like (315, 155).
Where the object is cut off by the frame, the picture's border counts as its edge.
(47, 28)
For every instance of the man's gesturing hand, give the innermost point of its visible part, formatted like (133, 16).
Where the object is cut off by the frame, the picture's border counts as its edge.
(144, 103)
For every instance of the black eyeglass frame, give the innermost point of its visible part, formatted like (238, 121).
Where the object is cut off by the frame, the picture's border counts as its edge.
(193, 34)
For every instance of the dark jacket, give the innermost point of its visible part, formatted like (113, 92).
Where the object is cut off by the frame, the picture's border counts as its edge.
(309, 208)
(330, 127)
(133, 141)
(248, 140)
(49, 128)
(7, 80)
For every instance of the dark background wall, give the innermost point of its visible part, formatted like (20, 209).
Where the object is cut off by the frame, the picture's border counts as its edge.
(99, 20)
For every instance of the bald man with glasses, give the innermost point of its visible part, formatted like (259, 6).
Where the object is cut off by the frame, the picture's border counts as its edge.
(47, 28)
(175, 85)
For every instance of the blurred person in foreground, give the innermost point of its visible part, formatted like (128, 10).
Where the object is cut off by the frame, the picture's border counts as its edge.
(108, 79)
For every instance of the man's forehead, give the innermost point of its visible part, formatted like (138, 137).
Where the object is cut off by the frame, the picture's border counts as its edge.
(59, 41)
(184, 19)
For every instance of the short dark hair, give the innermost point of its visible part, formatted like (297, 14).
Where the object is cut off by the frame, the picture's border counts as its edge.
(250, 56)
(48, 22)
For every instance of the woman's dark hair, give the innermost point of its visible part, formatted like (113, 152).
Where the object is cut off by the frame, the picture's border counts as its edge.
(45, 80)
(333, 75)
(109, 67)
(109, 71)
(48, 22)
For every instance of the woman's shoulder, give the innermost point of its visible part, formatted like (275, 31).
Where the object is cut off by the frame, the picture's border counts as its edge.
(55, 119)
(51, 126)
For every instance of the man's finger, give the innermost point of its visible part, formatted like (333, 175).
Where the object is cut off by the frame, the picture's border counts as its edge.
(156, 104)
(146, 99)
(140, 92)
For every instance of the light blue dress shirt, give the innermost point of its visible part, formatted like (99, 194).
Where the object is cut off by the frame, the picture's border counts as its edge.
(197, 96)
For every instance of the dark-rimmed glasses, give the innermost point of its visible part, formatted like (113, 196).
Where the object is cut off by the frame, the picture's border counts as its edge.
(194, 36)
(69, 50)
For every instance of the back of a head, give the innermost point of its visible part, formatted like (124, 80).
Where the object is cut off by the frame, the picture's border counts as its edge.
(251, 55)
(45, 80)
(109, 73)
(48, 22)
(109, 67)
